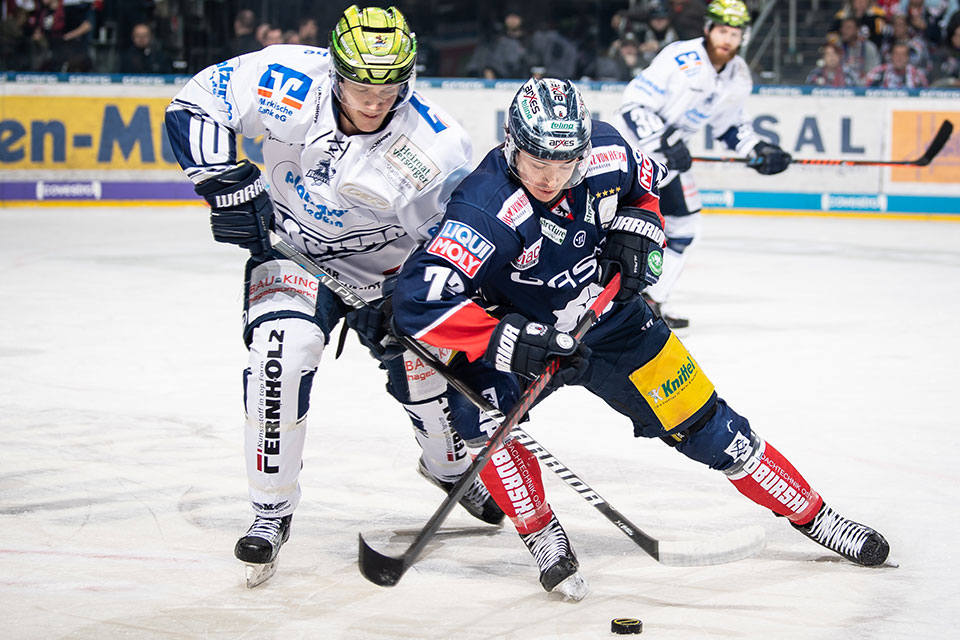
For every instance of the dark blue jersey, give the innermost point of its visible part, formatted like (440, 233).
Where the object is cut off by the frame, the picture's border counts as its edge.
(498, 246)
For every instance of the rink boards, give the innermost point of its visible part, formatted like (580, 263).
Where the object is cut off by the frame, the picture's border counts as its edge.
(99, 138)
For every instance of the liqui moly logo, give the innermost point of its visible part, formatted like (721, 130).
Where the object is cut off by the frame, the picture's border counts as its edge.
(646, 171)
(285, 85)
(462, 246)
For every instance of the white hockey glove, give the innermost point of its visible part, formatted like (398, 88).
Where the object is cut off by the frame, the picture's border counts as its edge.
(241, 212)
(634, 247)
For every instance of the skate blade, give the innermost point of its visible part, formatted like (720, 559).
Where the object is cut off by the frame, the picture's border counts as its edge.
(257, 574)
(574, 588)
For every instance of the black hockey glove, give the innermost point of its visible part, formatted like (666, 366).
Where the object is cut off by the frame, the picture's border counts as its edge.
(241, 212)
(674, 149)
(634, 247)
(525, 348)
(768, 159)
(372, 322)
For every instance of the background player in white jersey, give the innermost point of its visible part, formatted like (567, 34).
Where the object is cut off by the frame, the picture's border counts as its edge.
(359, 168)
(525, 242)
(689, 85)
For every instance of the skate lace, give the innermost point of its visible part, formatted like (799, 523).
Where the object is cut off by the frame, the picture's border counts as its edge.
(477, 494)
(548, 545)
(266, 528)
(836, 532)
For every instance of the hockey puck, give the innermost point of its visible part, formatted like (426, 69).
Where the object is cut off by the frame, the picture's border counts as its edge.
(626, 626)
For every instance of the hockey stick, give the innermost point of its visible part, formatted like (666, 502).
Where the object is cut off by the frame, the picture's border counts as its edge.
(732, 546)
(939, 140)
(386, 570)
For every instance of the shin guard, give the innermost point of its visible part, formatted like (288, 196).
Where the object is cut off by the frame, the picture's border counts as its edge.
(512, 476)
(767, 477)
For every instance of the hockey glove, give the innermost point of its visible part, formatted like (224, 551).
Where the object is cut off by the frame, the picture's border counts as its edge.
(525, 348)
(768, 159)
(674, 149)
(634, 247)
(372, 322)
(241, 212)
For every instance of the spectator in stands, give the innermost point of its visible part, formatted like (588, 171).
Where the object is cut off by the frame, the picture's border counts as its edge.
(144, 56)
(260, 34)
(869, 18)
(657, 34)
(687, 18)
(307, 31)
(291, 37)
(274, 35)
(552, 55)
(946, 60)
(859, 54)
(926, 17)
(506, 57)
(72, 52)
(829, 71)
(621, 66)
(15, 37)
(244, 40)
(898, 73)
(900, 32)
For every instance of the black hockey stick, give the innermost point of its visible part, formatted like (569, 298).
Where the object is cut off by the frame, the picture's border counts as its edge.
(728, 547)
(386, 570)
(939, 140)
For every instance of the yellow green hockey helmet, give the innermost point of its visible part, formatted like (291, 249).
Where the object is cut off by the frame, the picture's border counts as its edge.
(732, 13)
(373, 46)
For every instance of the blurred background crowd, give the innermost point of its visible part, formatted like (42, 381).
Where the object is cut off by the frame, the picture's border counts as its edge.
(834, 43)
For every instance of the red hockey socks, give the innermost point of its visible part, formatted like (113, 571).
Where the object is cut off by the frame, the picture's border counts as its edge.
(512, 476)
(769, 479)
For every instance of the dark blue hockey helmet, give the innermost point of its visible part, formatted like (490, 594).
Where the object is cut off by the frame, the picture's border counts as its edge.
(549, 120)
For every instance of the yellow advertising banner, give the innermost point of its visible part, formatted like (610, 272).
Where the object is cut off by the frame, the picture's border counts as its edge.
(84, 133)
(912, 132)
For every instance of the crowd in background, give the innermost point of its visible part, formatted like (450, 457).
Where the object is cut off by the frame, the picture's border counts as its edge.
(872, 43)
(892, 44)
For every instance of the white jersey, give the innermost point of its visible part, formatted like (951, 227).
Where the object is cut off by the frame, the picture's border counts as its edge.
(358, 204)
(682, 89)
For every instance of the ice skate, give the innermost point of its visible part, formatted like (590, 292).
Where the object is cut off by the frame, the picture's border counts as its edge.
(673, 322)
(259, 547)
(476, 500)
(559, 569)
(854, 541)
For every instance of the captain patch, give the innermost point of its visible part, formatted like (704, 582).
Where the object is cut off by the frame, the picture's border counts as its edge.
(460, 245)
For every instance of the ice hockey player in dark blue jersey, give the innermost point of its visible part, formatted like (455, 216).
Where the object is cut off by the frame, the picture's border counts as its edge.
(525, 244)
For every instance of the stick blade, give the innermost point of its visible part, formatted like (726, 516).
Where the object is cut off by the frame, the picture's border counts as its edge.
(378, 568)
(943, 134)
(729, 547)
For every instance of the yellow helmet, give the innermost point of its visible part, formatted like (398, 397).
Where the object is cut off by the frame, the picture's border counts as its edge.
(373, 46)
(732, 13)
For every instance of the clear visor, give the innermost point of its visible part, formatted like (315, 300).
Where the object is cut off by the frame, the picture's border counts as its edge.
(546, 175)
(371, 98)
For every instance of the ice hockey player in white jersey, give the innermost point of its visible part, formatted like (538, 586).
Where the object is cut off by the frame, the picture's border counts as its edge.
(689, 85)
(358, 168)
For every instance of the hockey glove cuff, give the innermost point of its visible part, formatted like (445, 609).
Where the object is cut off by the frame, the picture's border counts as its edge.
(525, 348)
(768, 159)
(241, 211)
(674, 149)
(634, 247)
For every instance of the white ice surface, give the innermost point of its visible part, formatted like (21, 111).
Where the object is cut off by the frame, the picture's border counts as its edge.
(122, 488)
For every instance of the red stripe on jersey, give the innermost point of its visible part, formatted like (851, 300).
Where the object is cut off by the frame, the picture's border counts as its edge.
(468, 329)
(649, 202)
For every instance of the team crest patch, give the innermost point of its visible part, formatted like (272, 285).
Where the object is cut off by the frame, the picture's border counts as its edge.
(461, 245)
(322, 173)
